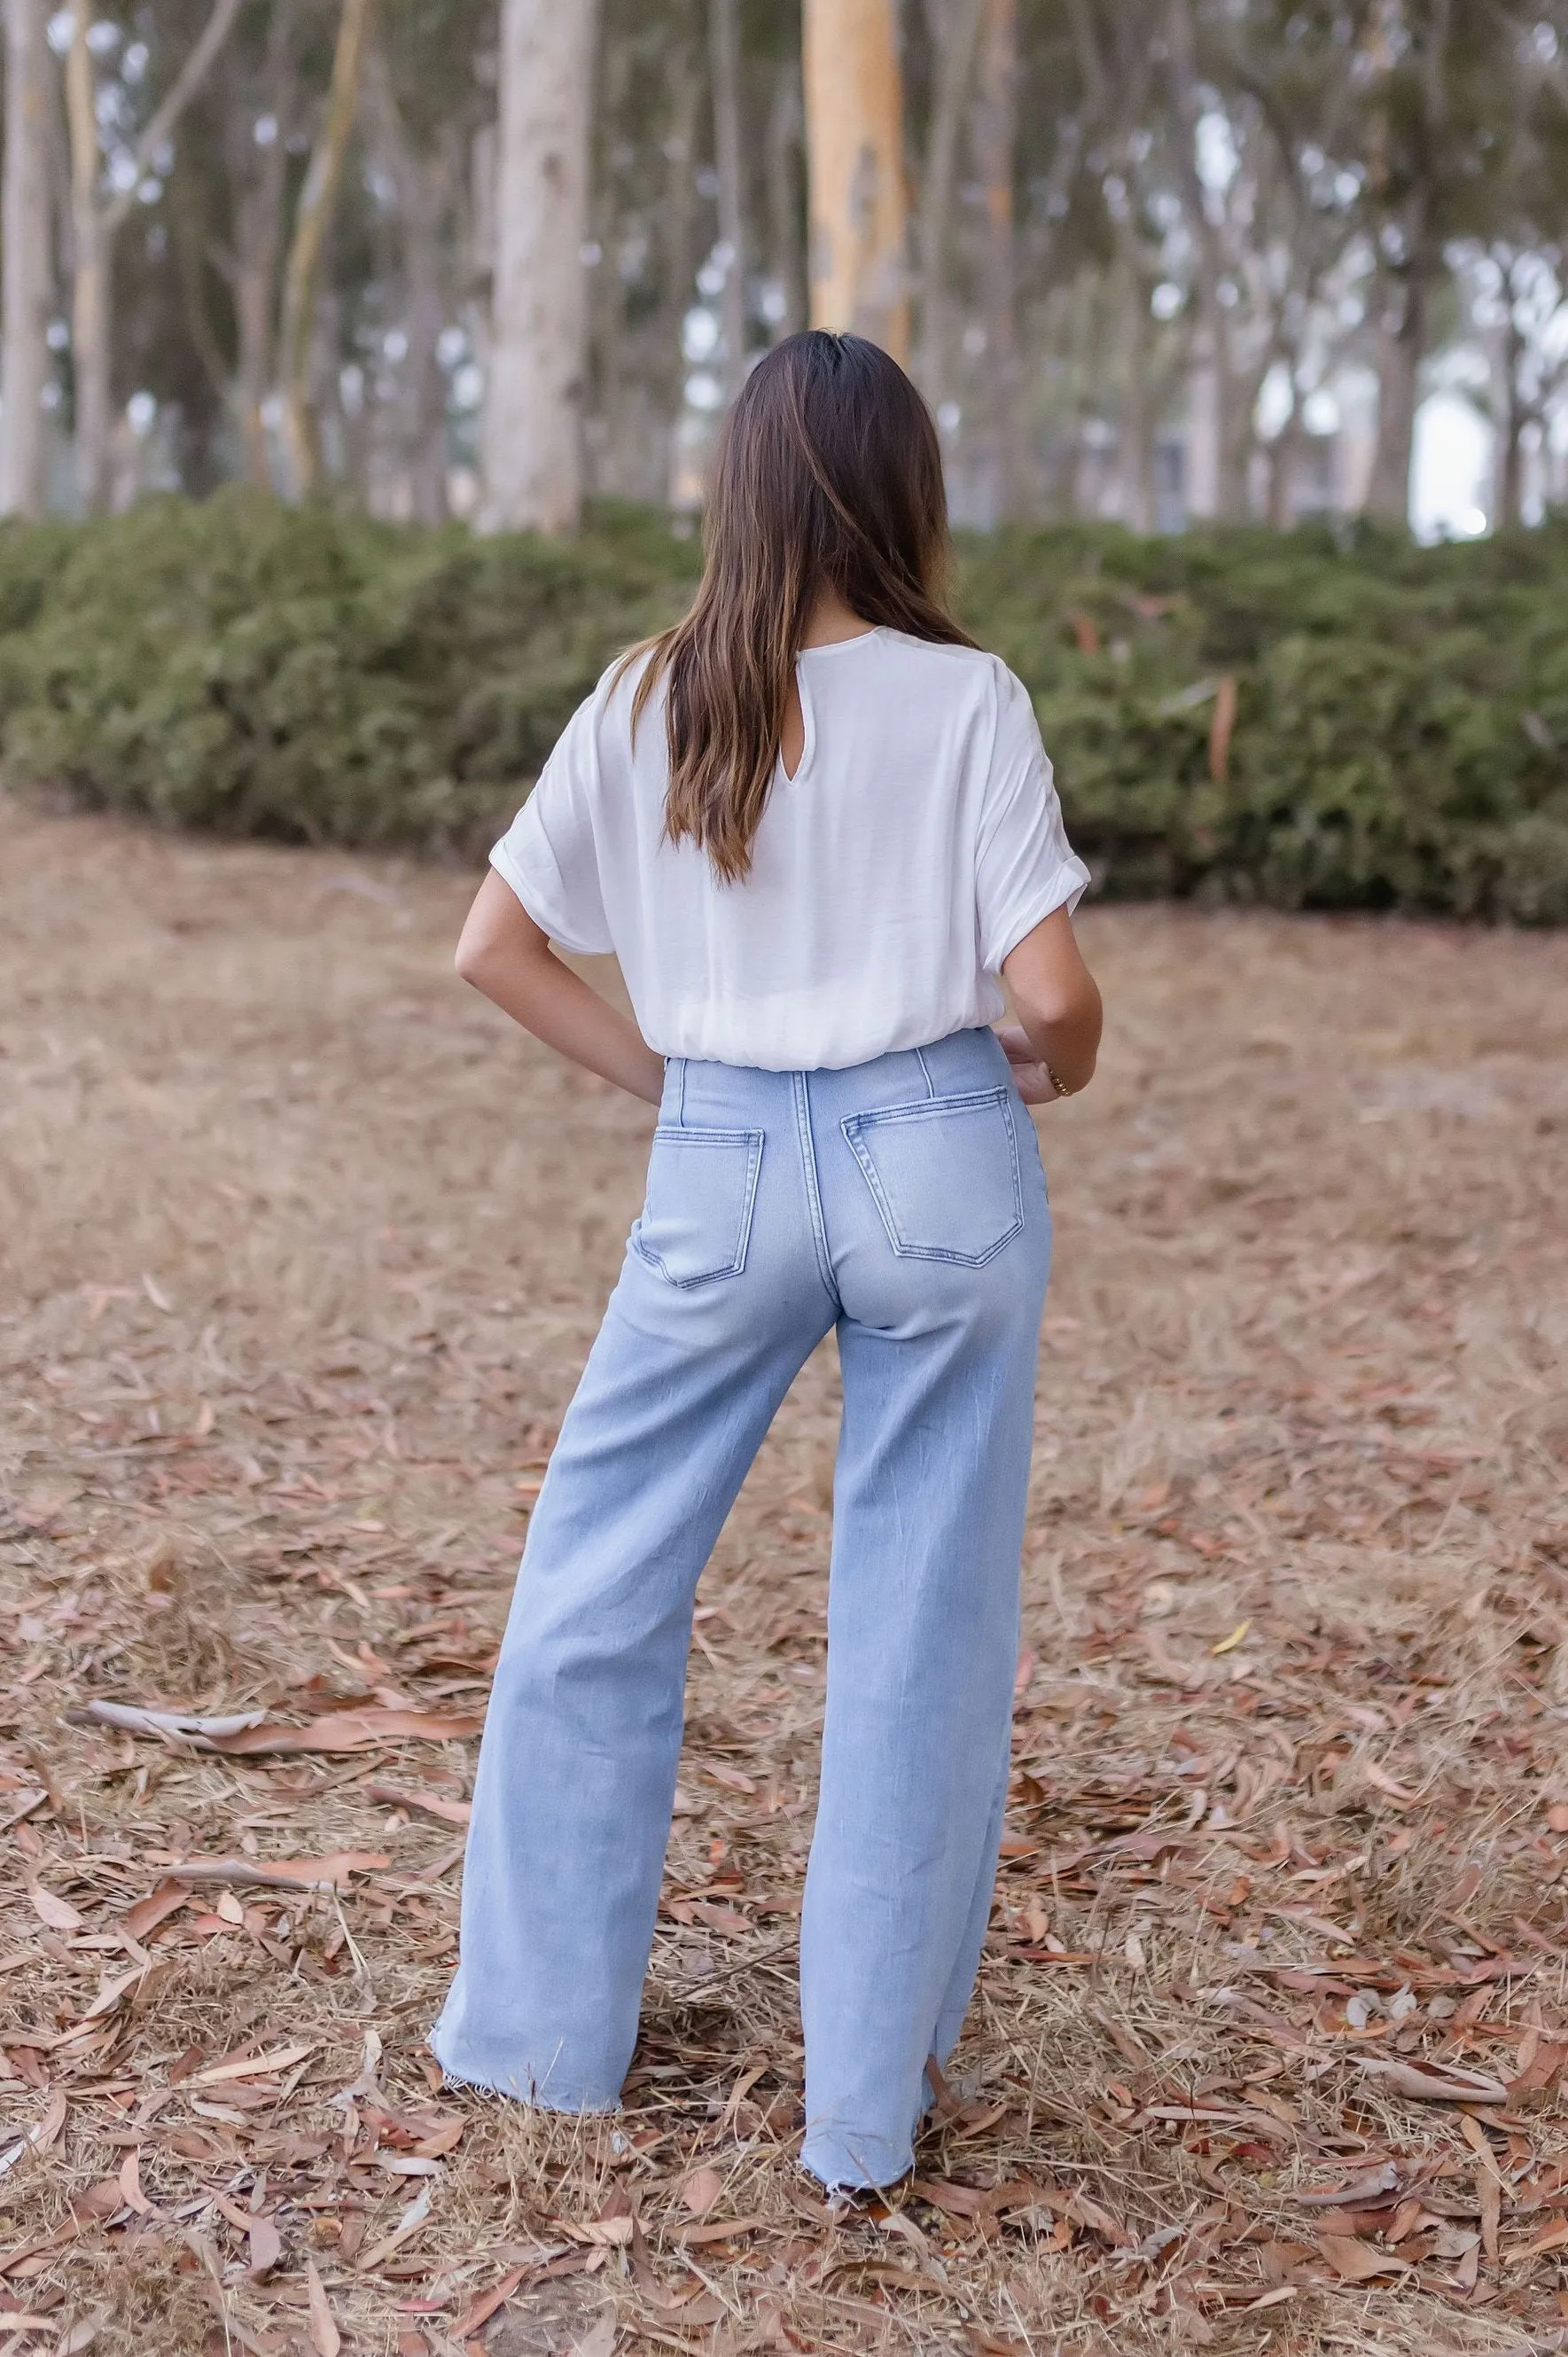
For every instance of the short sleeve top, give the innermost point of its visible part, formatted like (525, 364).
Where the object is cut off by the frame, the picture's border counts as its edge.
(920, 839)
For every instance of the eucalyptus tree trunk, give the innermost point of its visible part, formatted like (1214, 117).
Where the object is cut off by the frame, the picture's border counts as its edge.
(954, 28)
(95, 223)
(425, 178)
(313, 219)
(785, 126)
(26, 290)
(997, 134)
(724, 49)
(89, 276)
(1399, 398)
(1509, 470)
(1139, 417)
(533, 457)
(1284, 457)
(855, 148)
(260, 174)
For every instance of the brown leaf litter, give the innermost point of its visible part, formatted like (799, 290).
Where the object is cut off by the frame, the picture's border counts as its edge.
(300, 1251)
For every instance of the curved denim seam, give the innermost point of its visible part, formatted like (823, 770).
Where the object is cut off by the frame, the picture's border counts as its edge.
(854, 1124)
(751, 1138)
(802, 1093)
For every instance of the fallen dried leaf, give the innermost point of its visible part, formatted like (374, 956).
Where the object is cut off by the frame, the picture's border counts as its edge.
(325, 2337)
(350, 1730)
(254, 2066)
(50, 2126)
(1357, 2262)
(412, 2219)
(485, 2306)
(1442, 2086)
(176, 1727)
(701, 2190)
(149, 1912)
(56, 1912)
(282, 1873)
(1383, 2179)
(130, 2183)
(251, 1734)
(429, 1804)
(1555, 2239)
(719, 2229)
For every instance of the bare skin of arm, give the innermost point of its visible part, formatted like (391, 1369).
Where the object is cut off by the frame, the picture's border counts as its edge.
(1060, 1014)
(503, 954)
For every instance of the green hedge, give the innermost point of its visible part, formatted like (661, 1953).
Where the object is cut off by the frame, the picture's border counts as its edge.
(1400, 738)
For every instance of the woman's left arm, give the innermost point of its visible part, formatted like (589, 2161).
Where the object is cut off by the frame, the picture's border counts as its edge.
(1055, 1043)
(507, 956)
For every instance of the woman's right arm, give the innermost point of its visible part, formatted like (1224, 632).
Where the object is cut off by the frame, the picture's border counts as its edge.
(1060, 1012)
(507, 956)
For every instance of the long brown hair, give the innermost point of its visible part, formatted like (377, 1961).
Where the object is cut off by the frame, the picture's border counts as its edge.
(829, 476)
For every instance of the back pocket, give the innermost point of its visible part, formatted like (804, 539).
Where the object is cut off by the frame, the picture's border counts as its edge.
(944, 1174)
(696, 1220)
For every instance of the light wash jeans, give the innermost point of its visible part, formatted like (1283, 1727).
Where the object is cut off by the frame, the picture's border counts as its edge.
(903, 1203)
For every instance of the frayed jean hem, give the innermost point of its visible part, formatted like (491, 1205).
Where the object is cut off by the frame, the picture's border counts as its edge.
(521, 2088)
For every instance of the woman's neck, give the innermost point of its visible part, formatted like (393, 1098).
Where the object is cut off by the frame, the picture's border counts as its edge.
(830, 619)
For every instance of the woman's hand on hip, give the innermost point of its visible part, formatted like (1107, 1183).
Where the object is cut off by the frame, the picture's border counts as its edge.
(1030, 1078)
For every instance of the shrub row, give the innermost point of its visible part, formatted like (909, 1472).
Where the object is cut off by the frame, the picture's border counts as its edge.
(1311, 721)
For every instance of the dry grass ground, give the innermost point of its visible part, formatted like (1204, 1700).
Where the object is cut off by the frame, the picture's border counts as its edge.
(299, 1253)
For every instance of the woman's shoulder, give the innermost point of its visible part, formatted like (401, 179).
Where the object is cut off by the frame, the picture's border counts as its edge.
(959, 661)
(959, 669)
(618, 683)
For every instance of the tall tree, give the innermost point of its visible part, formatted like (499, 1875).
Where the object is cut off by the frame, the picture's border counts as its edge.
(533, 457)
(953, 30)
(96, 221)
(723, 37)
(855, 150)
(1117, 64)
(27, 260)
(995, 143)
(1439, 131)
(313, 219)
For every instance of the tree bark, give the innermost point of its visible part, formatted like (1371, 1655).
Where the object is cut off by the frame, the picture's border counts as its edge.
(1138, 458)
(258, 237)
(89, 277)
(95, 225)
(678, 222)
(1202, 484)
(1399, 398)
(1284, 457)
(1507, 499)
(724, 49)
(784, 130)
(996, 132)
(533, 458)
(23, 329)
(424, 180)
(313, 219)
(854, 146)
(955, 27)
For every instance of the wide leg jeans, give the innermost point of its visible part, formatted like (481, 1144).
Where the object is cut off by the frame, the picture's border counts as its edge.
(901, 1202)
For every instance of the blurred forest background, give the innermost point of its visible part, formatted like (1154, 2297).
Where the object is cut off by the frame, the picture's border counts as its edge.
(1150, 259)
(362, 361)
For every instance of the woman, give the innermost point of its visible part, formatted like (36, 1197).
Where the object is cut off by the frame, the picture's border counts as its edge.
(814, 824)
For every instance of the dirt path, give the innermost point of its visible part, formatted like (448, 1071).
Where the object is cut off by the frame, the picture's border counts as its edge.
(299, 1254)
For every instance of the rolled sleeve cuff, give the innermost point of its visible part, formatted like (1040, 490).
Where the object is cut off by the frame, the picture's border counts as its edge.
(1064, 889)
(537, 884)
